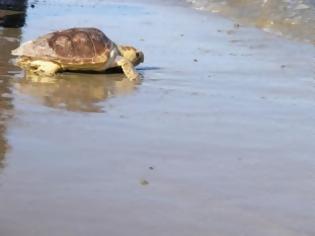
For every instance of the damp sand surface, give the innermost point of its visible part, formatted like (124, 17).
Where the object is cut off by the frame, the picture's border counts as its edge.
(218, 138)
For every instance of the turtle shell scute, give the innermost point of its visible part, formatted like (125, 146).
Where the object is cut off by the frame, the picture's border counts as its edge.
(80, 45)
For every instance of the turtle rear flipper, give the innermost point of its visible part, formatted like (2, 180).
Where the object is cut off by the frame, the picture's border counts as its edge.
(40, 67)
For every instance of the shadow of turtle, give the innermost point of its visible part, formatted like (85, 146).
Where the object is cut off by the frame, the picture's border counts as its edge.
(118, 70)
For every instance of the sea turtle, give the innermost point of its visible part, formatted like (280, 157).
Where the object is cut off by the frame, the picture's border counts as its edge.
(76, 49)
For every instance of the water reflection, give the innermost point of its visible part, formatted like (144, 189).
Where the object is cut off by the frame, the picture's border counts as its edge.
(12, 16)
(5, 108)
(75, 91)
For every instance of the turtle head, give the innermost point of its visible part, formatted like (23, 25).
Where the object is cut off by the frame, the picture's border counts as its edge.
(132, 54)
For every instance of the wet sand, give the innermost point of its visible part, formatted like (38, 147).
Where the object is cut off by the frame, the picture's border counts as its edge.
(216, 140)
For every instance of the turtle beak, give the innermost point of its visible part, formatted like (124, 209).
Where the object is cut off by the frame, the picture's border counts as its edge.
(140, 57)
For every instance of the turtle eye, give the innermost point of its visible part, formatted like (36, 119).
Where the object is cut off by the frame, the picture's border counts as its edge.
(138, 54)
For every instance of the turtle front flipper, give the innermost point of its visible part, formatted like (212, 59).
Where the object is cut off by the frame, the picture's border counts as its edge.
(128, 68)
(40, 67)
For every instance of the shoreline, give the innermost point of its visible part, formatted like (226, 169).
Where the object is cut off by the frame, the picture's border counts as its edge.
(216, 140)
(290, 19)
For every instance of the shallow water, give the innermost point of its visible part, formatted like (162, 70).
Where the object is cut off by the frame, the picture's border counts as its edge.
(291, 18)
(9, 39)
(69, 91)
(216, 140)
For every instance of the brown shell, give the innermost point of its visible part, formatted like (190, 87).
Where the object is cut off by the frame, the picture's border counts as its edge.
(74, 46)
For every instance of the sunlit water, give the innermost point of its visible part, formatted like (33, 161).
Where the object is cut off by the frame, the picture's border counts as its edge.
(292, 18)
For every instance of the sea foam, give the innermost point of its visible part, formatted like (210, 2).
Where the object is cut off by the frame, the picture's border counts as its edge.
(292, 18)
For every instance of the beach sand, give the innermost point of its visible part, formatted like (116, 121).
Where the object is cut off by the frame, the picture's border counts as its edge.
(216, 140)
